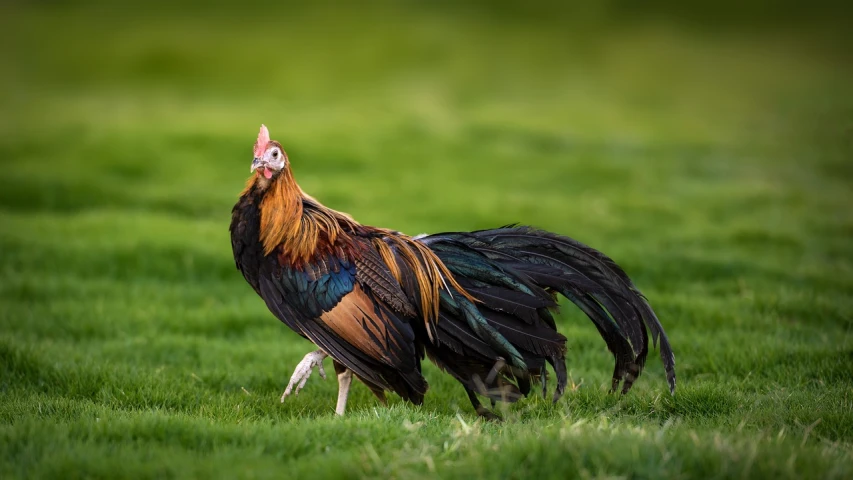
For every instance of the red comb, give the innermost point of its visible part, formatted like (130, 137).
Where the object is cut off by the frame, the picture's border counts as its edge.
(263, 140)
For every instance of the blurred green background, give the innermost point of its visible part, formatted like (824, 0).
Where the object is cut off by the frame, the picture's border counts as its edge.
(706, 147)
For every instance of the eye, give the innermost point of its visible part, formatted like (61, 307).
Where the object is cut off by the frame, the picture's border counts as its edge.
(275, 153)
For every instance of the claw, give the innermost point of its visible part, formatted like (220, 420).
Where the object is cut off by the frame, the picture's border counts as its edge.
(303, 371)
(488, 415)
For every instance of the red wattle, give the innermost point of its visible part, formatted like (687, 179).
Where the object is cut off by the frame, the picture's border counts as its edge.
(268, 173)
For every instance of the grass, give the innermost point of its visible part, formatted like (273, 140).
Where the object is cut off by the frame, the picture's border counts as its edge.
(714, 167)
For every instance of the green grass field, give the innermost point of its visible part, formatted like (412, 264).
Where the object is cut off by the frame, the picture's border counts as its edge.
(715, 166)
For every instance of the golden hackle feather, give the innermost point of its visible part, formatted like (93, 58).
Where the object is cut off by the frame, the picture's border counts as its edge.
(430, 273)
(387, 257)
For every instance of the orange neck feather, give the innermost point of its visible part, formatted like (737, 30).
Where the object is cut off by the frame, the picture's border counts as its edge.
(281, 212)
(290, 227)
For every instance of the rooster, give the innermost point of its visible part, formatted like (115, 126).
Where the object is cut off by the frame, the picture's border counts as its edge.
(478, 304)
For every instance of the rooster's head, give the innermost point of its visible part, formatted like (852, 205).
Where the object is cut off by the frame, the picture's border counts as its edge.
(270, 158)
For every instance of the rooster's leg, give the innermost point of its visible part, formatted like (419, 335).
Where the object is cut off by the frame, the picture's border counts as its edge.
(303, 371)
(344, 382)
(479, 408)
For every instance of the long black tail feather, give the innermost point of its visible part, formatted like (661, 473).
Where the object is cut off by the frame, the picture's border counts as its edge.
(608, 274)
(514, 272)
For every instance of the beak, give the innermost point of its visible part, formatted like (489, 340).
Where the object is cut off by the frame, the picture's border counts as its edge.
(257, 163)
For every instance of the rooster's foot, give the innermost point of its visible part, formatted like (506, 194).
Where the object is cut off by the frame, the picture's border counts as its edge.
(303, 371)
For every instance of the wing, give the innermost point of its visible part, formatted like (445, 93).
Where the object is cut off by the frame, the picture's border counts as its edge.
(349, 308)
